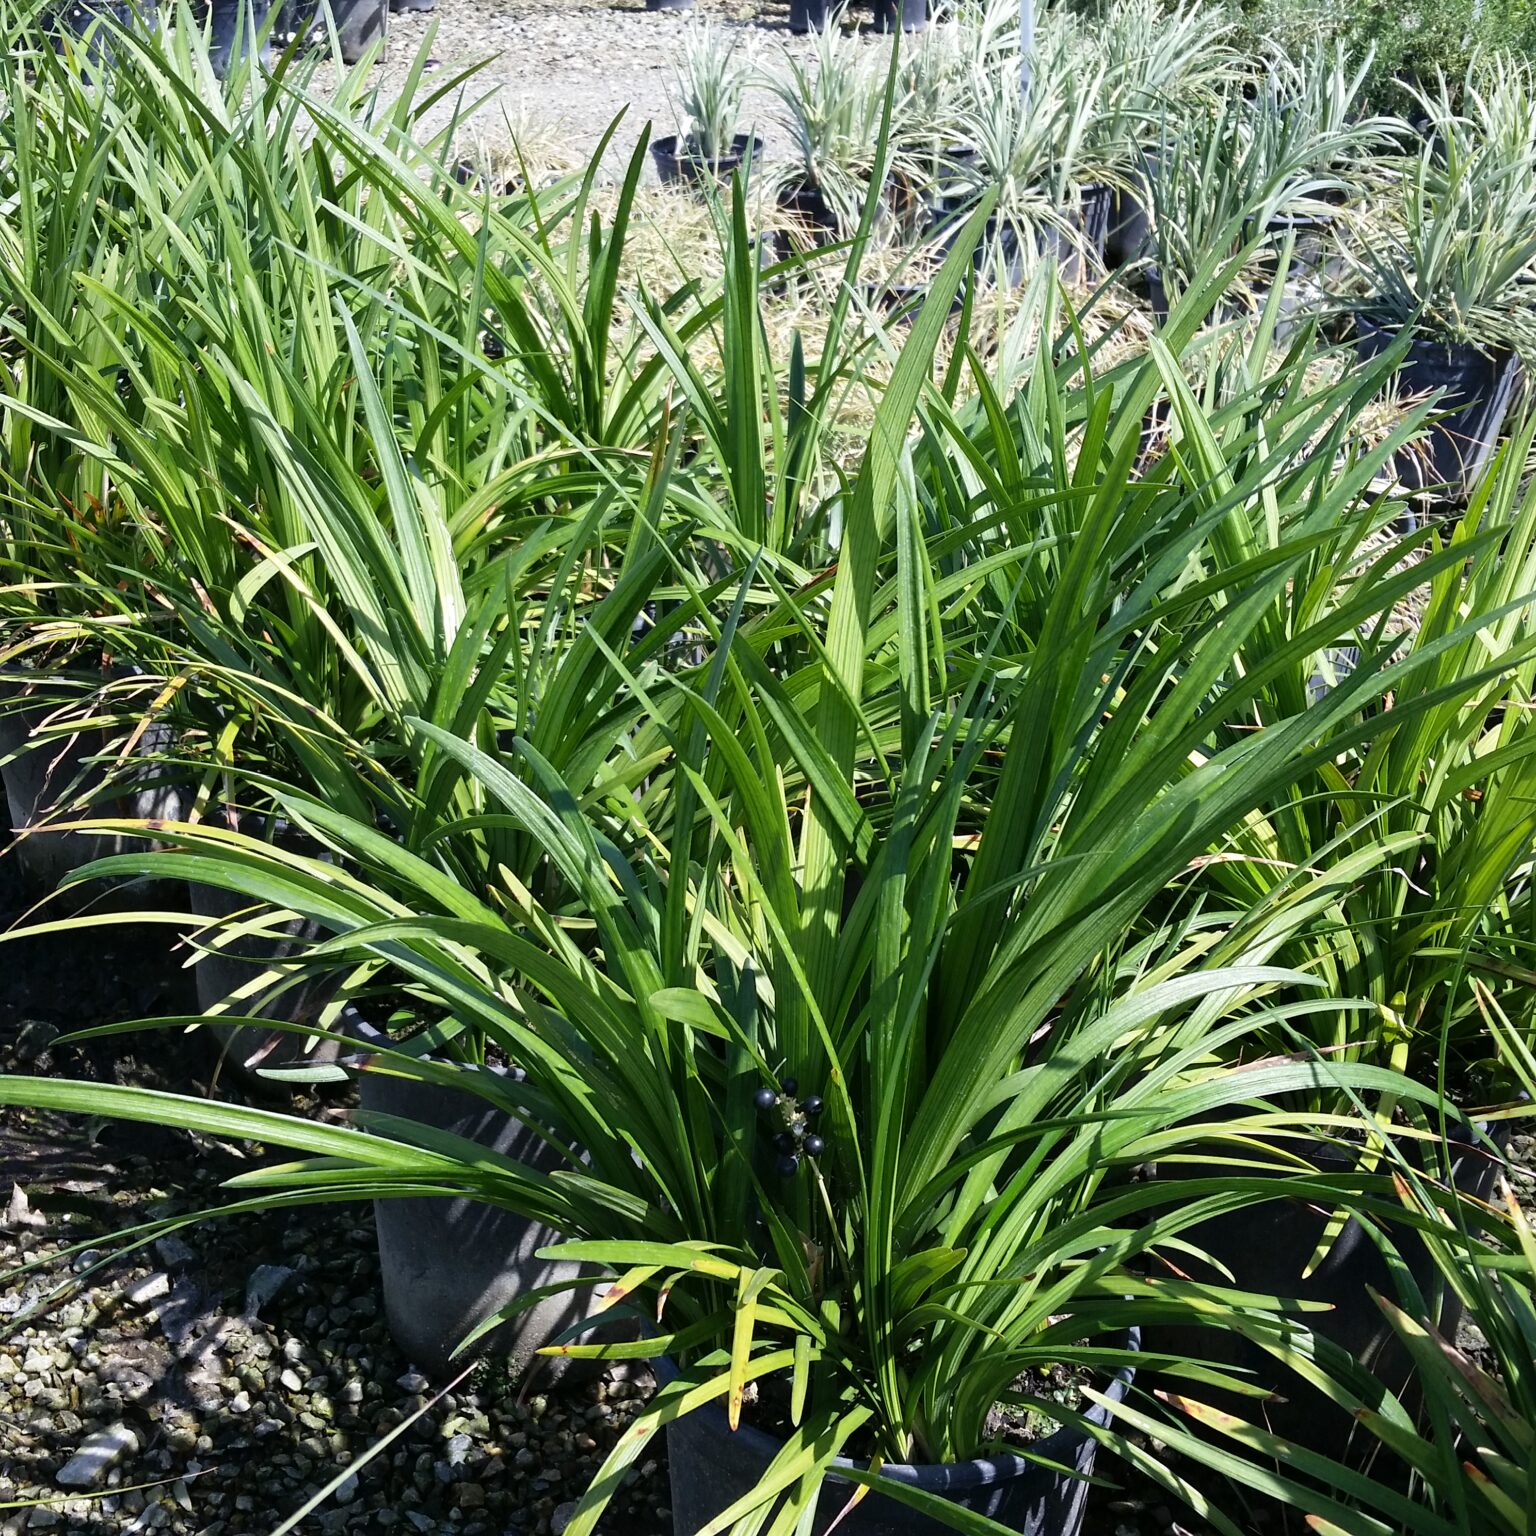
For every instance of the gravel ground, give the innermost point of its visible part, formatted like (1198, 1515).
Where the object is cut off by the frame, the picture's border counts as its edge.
(235, 1368)
(562, 71)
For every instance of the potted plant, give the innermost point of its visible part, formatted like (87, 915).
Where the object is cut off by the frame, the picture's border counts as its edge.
(1224, 183)
(711, 80)
(934, 76)
(1159, 62)
(1050, 200)
(1444, 285)
(1459, 1416)
(831, 106)
(856, 1079)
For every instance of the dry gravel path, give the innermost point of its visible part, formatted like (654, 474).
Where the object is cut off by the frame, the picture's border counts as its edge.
(569, 67)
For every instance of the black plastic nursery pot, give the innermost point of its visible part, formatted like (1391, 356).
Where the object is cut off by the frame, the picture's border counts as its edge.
(1313, 250)
(37, 777)
(1266, 1249)
(359, 24)
(1476, 388)
(449, 1264)
(685, 167)
(811, 15)
(40, 776)
(1224, 312)
(77, 19)
(248, 1049)
(1096, 209)
(1130, 228)
(230, 27)
(712, 1466)
(907, 15)
(951, 190)
(1072, 244)
(815, 222)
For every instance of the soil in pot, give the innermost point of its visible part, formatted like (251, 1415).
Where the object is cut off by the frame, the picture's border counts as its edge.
(1476, 390)
(711, 1467)
(449, 1264)
(1267, 1247)
(675, 166)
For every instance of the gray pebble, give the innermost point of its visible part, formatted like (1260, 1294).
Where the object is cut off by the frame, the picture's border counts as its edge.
(97, 1455)
(264, 1285)
(145, 1292)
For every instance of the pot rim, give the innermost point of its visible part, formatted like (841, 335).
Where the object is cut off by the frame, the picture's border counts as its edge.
(668, 145)
(1371, 324)
(980, 1471)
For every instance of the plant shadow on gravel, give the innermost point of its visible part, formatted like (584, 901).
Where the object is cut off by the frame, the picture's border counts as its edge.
(248, 1357)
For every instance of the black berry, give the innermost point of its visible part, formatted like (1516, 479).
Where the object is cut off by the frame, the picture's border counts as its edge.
(784, 1142)
(811, 1105)
(765, 1098)
(814, 1146)
(787, 1166)
(791, 1086)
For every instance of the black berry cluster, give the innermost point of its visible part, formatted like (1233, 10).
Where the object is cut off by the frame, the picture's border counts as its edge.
(795, 1138)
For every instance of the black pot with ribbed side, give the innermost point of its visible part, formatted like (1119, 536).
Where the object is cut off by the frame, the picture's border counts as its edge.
(1476, 390)
(232, 24)
(953, 187)
(1266, 1249)
(907, 15)
(811, 15)
(449, 1264)
(40, 773)
(1096, 208)
(359, 26)
(712, 1466)
(1314, 250)
(1224, 312)
(1072, 243)
(675, 165)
